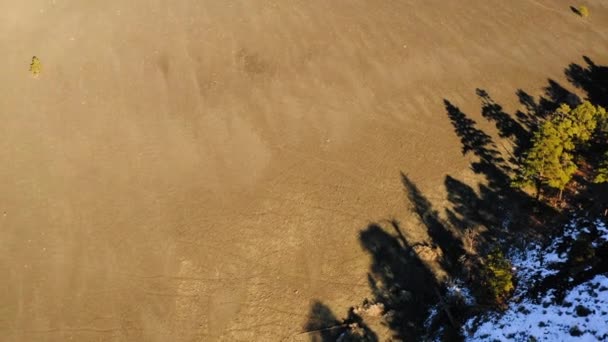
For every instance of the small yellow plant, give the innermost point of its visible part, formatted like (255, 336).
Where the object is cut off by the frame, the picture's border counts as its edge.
(497, 278)
(583, 11)
(35, 66)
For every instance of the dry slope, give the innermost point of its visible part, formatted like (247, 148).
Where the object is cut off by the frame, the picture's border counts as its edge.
(200, 170)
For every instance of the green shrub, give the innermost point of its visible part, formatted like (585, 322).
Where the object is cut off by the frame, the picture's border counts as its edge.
(602, 172)
(35, 66)
(583, 11)
(497, 278)
(550, 160)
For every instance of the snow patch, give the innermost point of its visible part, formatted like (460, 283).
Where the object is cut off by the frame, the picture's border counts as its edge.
(582, 316)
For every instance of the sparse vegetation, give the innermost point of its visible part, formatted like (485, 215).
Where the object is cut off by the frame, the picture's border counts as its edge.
(550, 160)
(35, 66)
(204, 145)
(583, 11)
(497, 278)
(602, 172)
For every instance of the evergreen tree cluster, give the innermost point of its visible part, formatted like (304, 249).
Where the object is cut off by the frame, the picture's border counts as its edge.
(550, 162)
(602, 172)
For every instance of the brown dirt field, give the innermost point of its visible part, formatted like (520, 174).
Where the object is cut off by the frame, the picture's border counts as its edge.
(201, 170)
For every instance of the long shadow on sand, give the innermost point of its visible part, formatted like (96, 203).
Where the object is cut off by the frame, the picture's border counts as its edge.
(592, 79)
(477, 217)
(324, 326)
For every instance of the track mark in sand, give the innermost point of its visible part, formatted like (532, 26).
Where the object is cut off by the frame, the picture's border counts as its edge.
(186, 308)
(264, 307)
(563, 13)
(250, 327)
(62, 330)
(345, 214)
(264, 266)
(338, 166)
(337, 211)
(187, 278)
(162, 294)
(326, 281)
(286, 172)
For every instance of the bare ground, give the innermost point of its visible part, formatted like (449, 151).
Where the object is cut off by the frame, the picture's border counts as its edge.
(201, 170)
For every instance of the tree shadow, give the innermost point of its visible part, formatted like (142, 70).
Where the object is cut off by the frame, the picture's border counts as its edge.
(472, 139)
(440, 232)
(491, 212)
(323, 326)
(491, 162)
(470, 210)
(557, 95)
(400, 276)
(530, 119)
(592, 78)
(399, 280)
(575, 10)
(507, 126)
(536, 112)
(496, 205)
(483, 207)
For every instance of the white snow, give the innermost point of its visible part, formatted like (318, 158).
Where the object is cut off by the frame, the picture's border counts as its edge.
(551, 322)
(603, 231)
(457, 289)
(583, 315)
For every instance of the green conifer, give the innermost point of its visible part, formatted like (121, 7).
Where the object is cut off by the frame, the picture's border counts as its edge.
(548, 162)
(580, 123)
(602, 172)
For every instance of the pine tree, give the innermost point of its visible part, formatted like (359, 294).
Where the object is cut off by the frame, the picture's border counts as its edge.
(602, 172)
(580, 123)
(497, 278)
(548, 162)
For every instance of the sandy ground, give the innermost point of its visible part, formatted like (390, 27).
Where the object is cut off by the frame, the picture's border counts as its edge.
(201, 170)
